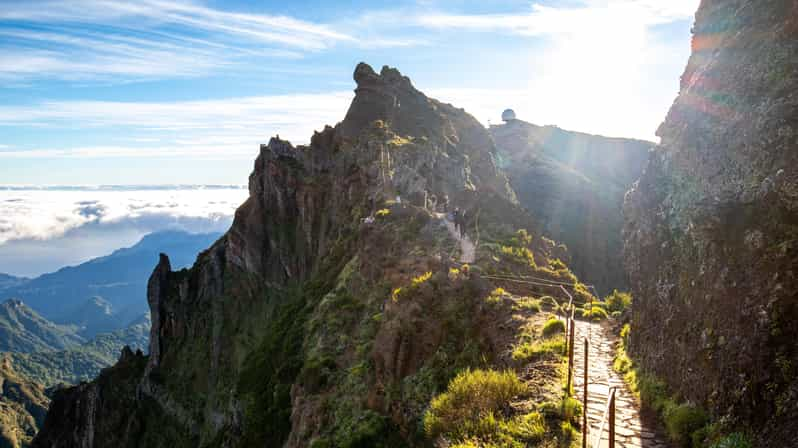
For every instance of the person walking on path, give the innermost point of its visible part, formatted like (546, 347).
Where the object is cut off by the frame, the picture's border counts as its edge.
(456, 219)
(462, 223)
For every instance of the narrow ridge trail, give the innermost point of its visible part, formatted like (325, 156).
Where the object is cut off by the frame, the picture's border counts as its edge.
(467, 248)
(633, 429)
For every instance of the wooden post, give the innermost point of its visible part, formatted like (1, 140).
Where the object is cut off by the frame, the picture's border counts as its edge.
(570, 355)
(567, 323)
(584, 400)
(612, 418)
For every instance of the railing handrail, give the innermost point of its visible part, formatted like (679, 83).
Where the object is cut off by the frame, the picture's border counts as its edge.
(570, 301)
(610, 399)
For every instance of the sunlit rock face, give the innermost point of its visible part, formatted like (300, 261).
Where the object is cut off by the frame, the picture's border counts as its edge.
(280, 333)
(574, 184)
(710, 228)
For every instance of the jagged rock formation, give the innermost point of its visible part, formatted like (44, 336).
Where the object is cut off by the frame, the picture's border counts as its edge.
(23, 405)
(574, 185)
(711, 226)
(304, 324)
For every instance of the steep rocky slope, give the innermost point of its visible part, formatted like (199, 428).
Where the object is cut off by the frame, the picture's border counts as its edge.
(24, 330)
(574, 184)
(711, 232)
(23, 405)
(306, 325)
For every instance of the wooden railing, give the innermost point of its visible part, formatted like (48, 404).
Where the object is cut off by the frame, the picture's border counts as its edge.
(609, 419)
(568, 314)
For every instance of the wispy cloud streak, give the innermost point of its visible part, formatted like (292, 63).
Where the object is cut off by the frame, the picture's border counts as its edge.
(116, 40)
(203, 129)
(548, 20)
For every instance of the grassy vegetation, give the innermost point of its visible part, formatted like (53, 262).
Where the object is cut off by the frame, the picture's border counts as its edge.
(527, 351)
(496, 296)
(527, 304)
(686, 423)
(472, 412)
(595, 313)
(553, 326)
(618, 301)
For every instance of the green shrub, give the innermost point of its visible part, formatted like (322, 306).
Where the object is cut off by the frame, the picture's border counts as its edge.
(618, 301)
(653, 392)
(528, 304)
(531, 350)
(682, 420)
(557, 264)
(626, 331)
(553, 326)
(622, 363)
(471, 398)
(568, 431)
(734, 440)
(597, 313)
(570, 409)
(527, 427)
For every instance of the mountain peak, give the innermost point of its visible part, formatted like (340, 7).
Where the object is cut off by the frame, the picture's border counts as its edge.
(388, 96)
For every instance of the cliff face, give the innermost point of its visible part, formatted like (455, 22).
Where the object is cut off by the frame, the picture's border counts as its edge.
(711, 226)
(574, 185)
(23, 405)
(289, 329)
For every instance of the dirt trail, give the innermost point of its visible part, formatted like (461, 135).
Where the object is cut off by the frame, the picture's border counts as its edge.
(467, 248)
(633, 429)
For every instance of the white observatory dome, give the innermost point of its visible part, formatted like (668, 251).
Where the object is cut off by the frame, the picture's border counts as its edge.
(508, 115)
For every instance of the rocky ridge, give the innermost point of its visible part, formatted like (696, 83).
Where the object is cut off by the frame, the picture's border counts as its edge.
(305, 325)
(710, 228)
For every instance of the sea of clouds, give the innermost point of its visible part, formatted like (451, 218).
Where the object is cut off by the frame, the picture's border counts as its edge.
(45, 228)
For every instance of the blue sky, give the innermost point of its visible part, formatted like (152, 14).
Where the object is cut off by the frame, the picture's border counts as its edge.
(171, 92)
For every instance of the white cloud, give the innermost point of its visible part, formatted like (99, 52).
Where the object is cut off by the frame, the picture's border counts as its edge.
(148, 14)
(47, 213)
(592, 15)
(210, 128)
(121, 41)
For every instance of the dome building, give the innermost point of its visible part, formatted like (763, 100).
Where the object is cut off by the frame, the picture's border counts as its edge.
(508, 115)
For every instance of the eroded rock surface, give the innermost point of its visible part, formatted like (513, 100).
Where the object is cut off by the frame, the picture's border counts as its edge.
(711, 226)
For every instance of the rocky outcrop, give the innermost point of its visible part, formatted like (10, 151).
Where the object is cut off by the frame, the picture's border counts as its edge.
(574, 184)
(23, 405)
(711, 226)
(286, 330)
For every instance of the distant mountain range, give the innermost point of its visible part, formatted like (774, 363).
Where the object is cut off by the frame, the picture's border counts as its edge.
(49, 354)
(9, 281)
(25, 331)
(106, 293)
(82, 362)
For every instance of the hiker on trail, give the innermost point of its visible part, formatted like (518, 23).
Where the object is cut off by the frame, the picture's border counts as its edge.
(461, 224)
(456, 219)
(433, 203)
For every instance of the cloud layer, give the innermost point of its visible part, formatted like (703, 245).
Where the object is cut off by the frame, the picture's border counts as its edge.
(42, 229)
